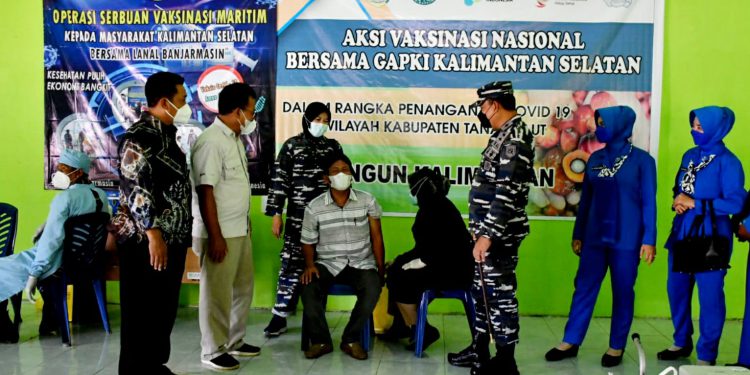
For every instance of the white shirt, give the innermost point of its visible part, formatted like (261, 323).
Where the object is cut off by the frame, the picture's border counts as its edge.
(219, 160)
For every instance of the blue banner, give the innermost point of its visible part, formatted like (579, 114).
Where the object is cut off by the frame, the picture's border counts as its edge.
(98, 55)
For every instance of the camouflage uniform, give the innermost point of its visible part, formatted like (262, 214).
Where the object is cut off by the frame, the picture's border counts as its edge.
(297, 178)
(497, 203)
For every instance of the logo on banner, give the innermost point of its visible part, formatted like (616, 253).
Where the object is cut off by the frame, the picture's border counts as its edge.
(212, 81)
(541, 3)
(618, 3)
(424, 2)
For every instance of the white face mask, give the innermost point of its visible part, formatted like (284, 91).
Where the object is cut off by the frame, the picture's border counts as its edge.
(183, 114)
(317, 129)
(341, 181)
(249, 126)
(61, 180)
(418, 185)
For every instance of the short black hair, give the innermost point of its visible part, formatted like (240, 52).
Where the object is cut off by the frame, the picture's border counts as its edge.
(233, 96)
(162, 85)
(508, 102)
(328, 161)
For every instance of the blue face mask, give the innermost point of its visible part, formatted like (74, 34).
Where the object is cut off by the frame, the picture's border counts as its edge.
(603, 134)
(699, 138)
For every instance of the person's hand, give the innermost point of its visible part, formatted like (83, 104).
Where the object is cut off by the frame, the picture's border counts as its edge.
(277, 227)
(415, 264)
(742, 232)
(157, 249)
(682, 203)
(217, 249)
(30, 289)
(648, 253)
(680, 209)
(307, 276)
(577, 245)
(381, 274)
(480, 249)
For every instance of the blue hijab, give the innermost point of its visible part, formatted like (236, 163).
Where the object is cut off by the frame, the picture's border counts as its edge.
(615, 130)
(716, 122)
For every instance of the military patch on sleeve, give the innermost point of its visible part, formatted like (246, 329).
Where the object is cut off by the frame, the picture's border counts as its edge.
(510, 151)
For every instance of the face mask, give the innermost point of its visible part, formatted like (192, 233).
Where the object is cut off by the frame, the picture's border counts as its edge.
(317, 129)
(699, 138)
(61, 180)
(341, 181)
(484, 120)
(248, 127)
(183, 114)
(414, 200)
(603, 134)
(417, 185)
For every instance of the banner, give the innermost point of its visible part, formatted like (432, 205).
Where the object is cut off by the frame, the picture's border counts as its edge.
(99, 53)
(399, 77)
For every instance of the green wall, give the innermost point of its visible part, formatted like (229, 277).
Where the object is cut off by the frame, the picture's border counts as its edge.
(705, 59)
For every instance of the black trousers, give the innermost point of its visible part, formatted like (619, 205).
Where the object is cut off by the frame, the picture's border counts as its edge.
(315, 296)
(148, 305)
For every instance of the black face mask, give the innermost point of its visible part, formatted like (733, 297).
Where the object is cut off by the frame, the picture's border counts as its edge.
(483, 120)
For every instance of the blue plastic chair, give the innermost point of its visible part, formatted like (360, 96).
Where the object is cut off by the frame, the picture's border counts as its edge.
(365, 339)
(83, 261)
(8, 230)
(427, 297)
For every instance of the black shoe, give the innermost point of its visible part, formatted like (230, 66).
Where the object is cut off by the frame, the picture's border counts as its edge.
(611, 361)
(276, 327)
(555, 354)
(464, 358)
(398, 331)
(505, 362)
(671, 355)
(246, 350)
(484, 368)
(224, 362)
(431, 334)
(738, 365)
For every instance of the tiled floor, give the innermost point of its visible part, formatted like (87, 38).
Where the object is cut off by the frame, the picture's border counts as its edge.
(94, 352)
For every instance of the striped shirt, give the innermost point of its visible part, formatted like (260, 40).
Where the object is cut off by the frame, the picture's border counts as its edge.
(342, 234)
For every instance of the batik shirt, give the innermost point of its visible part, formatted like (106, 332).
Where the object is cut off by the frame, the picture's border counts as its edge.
(154, 183)
(500, 191)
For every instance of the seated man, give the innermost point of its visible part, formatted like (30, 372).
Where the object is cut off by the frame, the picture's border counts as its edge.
(79, 197)
(342, 243)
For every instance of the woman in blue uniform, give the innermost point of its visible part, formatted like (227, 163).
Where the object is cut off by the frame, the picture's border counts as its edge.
(709, 176)
(615, 228)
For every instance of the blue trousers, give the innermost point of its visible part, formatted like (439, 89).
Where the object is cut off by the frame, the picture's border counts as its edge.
(592, 267)
(745, 340)
(712, 307)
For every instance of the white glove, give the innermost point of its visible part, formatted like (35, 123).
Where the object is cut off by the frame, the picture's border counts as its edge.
(414, 265)
(31, 289)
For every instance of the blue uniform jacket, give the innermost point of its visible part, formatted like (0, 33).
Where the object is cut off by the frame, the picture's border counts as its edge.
(631, 206)
(722, 181)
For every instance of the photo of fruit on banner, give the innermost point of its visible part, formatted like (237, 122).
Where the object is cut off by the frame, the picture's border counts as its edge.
(564, 129)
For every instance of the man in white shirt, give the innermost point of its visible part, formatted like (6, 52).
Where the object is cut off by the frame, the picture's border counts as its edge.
(221, 229)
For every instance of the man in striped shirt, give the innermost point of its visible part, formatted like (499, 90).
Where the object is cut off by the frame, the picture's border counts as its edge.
(342, 242)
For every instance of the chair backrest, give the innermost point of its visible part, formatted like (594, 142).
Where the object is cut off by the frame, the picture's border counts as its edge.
(8, 228)
(83, 247)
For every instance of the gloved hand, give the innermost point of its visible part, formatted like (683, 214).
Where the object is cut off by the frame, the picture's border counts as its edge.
(31, 289)
(414, 265)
